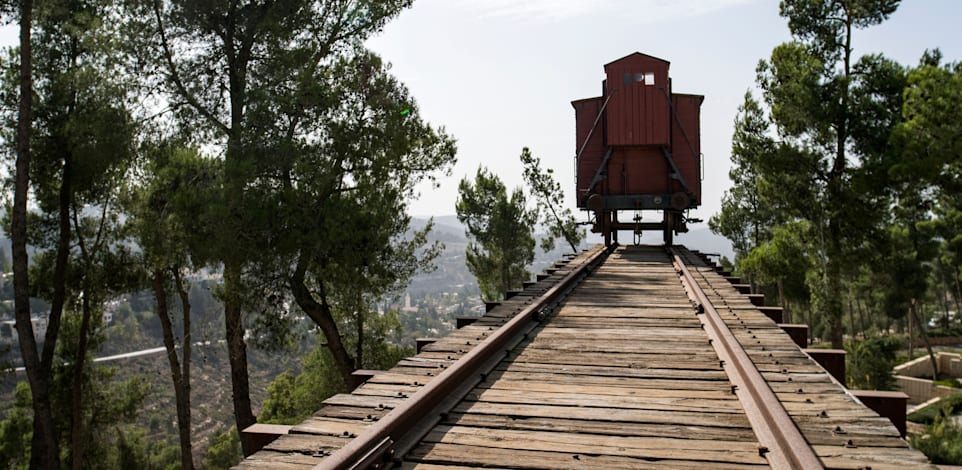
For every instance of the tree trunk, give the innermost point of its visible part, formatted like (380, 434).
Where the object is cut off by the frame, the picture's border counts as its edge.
(569, 237)
(359, 349)
(83, 341)
(76, 396)
(237, 351)
(181, 384)
(925, 339)
(851, 318)
(183, 408)
(787, 317)
(835, 309)
(958, 295)
(320, 312)
(861, 315)
(833, 273)
(944, 295)
(45, 447)
(835, 204)
(911, 345)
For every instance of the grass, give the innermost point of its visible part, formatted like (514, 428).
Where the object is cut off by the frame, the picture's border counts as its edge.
(953, 383)
(950, 405)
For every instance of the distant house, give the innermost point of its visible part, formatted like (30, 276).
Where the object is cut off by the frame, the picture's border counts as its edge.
(8, 333)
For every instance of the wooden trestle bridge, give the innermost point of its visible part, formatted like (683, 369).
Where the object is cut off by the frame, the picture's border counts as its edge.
(621, 357)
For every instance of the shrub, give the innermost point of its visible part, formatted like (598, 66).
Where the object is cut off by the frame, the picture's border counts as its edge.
(948, 405)
(942, 441)
(869, 362)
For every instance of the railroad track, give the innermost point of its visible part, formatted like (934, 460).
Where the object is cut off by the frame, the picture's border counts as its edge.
(634, 357)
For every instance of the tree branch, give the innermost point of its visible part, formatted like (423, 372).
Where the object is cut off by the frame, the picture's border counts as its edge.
(175, 76)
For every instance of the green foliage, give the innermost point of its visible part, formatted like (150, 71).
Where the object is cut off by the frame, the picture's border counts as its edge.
(560, 223)
(380, 344)
(293, 397)
(929, 136)
(168, 205)
(110, 403)
(941, 442)
(500, 229)
(833, 114)
(903, 269)
(81, 140)
(328, 114)
(110, 407)
(952, 383)
(783, 259)
(16, 430)
(947, 406)
(869, 362)
(319, 163)
(131, 450)
(135, 451)
(745, 217)
(224, 451)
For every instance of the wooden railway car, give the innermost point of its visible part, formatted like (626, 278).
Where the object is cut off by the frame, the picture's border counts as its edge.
(638, 149)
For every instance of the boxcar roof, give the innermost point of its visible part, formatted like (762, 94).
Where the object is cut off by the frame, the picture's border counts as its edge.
(633, 54)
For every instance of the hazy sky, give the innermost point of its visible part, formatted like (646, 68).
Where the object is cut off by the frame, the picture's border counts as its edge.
(500, 74)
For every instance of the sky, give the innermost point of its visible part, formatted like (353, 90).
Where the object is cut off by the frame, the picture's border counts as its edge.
(500, 75)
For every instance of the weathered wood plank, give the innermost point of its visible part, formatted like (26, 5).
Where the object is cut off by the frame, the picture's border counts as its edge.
(671, 389)
(696, 418)
(730, 405)
(330, 426)
(592, 426)
(309, 444)
(493, 457)
(604, 371)
(268, 459)
(607, 381)
(648, 448)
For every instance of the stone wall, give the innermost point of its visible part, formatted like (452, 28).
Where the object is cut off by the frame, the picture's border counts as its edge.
(948, 363)
(921, 390)
(909, 377)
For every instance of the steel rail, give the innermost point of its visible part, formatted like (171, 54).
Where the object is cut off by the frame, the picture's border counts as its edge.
(419, 412)
(781, 441)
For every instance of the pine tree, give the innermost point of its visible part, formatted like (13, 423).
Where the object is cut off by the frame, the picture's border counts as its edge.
(500, 228)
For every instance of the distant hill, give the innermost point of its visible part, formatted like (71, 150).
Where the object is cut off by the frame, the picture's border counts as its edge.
(452, 275)
(697, 238)
(446, 229)
(701, 238)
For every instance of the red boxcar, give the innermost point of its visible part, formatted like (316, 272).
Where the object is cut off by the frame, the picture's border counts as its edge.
(638, 148)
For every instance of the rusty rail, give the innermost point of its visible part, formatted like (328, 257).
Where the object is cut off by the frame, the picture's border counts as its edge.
(781, 441)
(404, 425)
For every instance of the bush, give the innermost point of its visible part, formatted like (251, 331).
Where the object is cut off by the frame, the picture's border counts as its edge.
(942, 441)
(869, 362)
(948, 405)
(224, 451)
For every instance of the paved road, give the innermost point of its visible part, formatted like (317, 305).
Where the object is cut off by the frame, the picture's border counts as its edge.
(142, 352)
